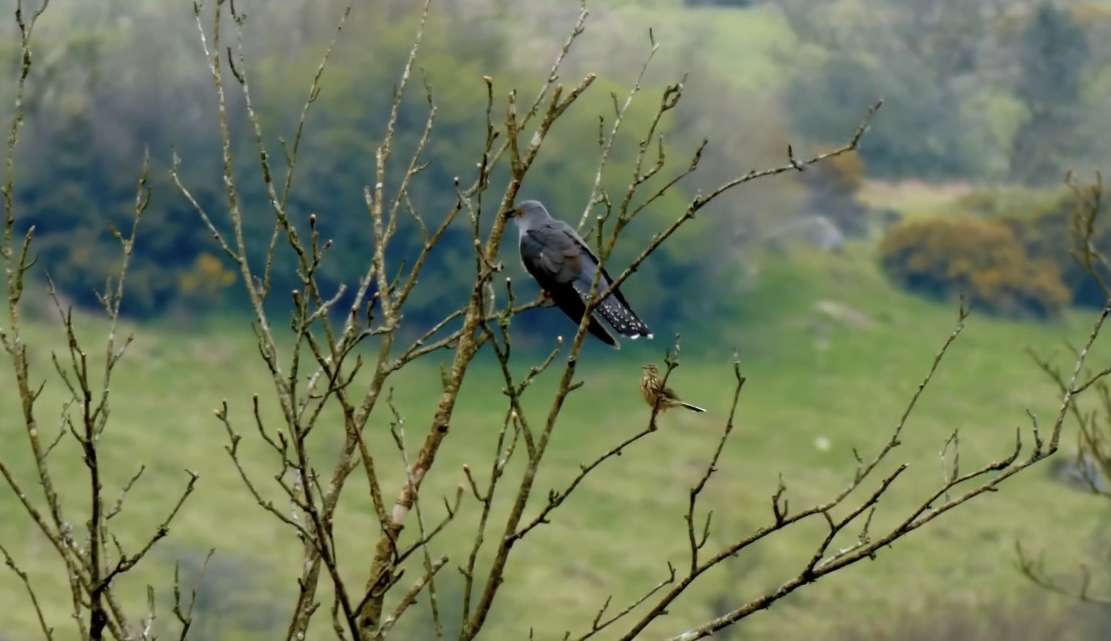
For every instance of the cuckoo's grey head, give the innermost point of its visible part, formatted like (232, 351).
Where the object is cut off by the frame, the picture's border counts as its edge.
(529, 214)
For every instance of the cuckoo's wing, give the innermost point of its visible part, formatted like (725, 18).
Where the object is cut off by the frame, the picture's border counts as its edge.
(556, 263)
(614, 308)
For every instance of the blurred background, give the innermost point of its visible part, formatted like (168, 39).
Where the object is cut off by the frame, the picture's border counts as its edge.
(835, 285)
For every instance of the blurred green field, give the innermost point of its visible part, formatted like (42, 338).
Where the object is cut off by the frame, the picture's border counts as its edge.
(812, 377)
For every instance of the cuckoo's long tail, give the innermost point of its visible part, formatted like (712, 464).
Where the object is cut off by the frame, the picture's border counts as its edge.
(622, 318)
(567, 299)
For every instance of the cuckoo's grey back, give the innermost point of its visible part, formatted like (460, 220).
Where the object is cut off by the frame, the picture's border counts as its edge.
(563, 265)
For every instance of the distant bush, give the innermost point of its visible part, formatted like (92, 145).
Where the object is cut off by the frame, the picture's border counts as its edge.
(982, 259)
(1047, 234)
(206, 281)
(1042, 221)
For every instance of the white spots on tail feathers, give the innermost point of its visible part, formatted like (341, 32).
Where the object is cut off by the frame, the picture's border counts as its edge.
(620, 317)
(623, 320)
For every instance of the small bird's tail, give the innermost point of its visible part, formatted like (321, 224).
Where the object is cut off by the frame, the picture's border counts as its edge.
(692, 407)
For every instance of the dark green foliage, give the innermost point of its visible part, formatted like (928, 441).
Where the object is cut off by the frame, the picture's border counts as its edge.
(997, 90)
(1054, 51)
(1052, 58)
(826, 99)
(103, 89)
(979, 259)
(93, 105)
(93, 112)
(338, 160)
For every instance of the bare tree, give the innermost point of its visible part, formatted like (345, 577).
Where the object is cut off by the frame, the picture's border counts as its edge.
(319, 370)
(1093, 427)
(93, 560)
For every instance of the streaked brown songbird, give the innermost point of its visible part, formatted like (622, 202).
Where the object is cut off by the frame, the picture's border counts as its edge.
(652, 386)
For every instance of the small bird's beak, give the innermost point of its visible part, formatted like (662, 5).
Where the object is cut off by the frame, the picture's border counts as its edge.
(515, 212)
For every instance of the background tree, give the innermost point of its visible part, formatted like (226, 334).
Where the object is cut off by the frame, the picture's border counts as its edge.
(1093, 443)
(1052, 58)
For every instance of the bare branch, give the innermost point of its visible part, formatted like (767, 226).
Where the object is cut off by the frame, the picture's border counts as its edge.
(47, 631)
(184, 611)
(599, 624)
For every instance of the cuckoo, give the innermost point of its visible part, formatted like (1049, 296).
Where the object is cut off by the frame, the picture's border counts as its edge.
(563, 265)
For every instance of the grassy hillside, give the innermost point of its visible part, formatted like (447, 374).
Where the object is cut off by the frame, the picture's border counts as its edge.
(814, 380)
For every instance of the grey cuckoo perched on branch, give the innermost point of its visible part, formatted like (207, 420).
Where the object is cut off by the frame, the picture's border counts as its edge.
(563, 265)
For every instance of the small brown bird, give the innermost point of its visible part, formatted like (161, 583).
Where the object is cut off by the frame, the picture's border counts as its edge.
(652, 387)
